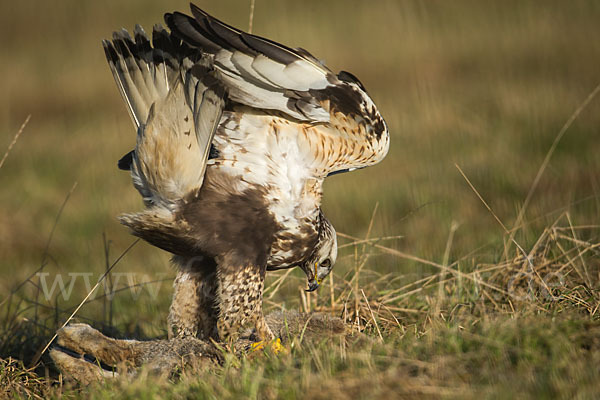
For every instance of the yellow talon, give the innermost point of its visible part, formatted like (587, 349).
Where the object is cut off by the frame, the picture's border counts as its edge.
(276, 346)
(258, 345)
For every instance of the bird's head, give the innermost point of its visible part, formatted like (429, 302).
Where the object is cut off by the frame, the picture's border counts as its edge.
(321, 261)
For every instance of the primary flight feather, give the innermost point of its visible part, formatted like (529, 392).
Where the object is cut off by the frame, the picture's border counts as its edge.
(235, 135)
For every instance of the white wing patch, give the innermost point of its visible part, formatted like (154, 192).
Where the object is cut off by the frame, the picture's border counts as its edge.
(264, 150)
(168, 160)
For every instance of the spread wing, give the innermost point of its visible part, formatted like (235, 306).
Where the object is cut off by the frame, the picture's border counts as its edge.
(258, 72)
(175, 102)
(263, 74)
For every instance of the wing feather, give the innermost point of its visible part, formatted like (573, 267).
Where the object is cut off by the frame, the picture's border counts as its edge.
(176, 102)
(267, 75)
(257, 72)
(340, 128)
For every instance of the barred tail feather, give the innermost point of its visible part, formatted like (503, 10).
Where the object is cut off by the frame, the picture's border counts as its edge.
(160, 228)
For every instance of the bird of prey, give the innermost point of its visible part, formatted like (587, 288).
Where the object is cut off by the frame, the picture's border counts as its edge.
(235, 135)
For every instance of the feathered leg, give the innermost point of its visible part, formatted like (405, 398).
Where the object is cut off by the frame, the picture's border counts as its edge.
(240, 298)
(193, 309)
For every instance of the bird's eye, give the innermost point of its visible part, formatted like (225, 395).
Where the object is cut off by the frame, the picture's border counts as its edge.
(326, 263)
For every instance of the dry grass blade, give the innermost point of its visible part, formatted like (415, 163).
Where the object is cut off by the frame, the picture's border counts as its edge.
(407, 256)
(16, 379)
(440, 294)
(274, 287)
(433, 281)
(46, 248)
(372, 315)
(483, 200)
(540, 172)
(10, 146)
(367, 241)
(39, 355)
(370, 228)
(60, 211)
(394, 292)
(251, 17)
(561, 209)
(511, 236)
(113, 291)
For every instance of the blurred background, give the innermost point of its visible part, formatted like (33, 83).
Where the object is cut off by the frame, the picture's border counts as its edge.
(483, 84)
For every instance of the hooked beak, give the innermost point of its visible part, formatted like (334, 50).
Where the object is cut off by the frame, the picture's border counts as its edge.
(313, 282)
(312, 286)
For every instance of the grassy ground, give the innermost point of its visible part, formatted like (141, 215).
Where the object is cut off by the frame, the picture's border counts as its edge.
(456, 305)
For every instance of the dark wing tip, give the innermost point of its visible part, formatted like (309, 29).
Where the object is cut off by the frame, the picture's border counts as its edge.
(229, 37)
(138, 30)
(123, 34)
(126, 161)
(306, 54)
(197, 10)
(190, 31)
(348, 77)
(339, 171)
(271, 49)
(110, 51)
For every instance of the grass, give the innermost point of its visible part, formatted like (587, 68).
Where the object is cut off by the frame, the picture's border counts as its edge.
(453, 307)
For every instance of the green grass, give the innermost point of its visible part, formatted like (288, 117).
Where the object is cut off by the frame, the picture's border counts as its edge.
(483, 84)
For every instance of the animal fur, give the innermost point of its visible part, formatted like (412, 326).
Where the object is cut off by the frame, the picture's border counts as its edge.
(85, 355)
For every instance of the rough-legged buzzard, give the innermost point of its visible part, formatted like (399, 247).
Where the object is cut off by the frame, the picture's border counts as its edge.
(235, 135)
